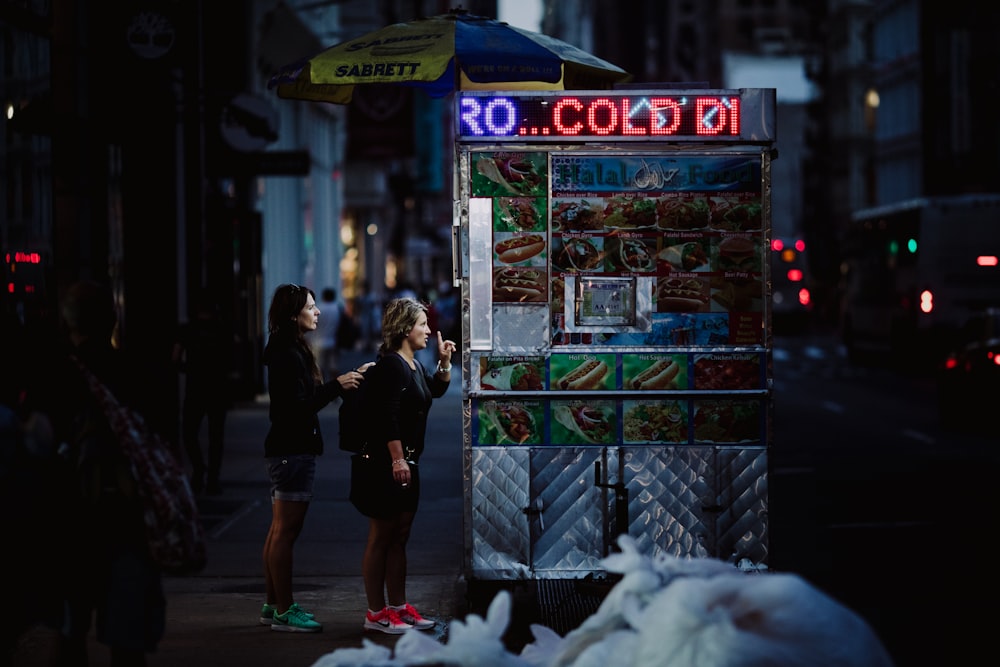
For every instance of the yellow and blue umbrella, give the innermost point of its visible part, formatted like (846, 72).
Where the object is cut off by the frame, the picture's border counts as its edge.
(439, 54)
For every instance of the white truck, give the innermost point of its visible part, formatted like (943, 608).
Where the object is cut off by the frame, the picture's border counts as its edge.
(915, 271)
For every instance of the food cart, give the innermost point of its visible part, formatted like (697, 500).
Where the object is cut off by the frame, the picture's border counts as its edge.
(611, 248)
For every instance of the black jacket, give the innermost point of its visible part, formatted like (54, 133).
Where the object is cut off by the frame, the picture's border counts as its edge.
(401, 399)
(296, 398)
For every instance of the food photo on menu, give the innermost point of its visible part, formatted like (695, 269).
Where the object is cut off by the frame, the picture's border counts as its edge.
(519, 214)
(509, 173)
(736, 212)
(629, 254)
(519, 284)
(511, 422)
(738, 253)
(512, 373)
(629, 213)
(726, 421)
(518, 249)
(683, 211)
(649, 372)
(682, 293)
(582, 372)
(575, 214)
(583, 422)
(654, 422)
(572, 254)
(727, 371)
(680, 254)
(736, 283)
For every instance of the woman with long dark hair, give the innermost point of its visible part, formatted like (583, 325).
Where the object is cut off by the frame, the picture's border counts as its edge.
(297, 392)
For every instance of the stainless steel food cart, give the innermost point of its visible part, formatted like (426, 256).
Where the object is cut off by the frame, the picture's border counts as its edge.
(611, 248)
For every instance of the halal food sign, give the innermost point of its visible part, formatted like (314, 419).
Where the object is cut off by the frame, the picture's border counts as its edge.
(650, 115)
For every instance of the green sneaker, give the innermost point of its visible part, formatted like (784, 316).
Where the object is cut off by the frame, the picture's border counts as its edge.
(266, 614)
(268, 611)
(295, 620)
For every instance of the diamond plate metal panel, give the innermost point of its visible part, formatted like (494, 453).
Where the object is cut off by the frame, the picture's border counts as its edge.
(500, 542)
(520, 328)
(742, 524)
(698, 501)
(570, 531)
(668, 488)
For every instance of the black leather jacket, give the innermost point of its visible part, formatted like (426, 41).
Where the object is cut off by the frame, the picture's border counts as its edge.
(401, 398)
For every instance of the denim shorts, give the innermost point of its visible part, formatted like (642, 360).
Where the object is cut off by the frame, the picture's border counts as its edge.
(292, 477)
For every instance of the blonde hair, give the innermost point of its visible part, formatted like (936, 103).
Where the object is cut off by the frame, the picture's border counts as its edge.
(398, 319)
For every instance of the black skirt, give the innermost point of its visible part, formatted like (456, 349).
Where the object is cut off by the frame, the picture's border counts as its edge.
(376, 494)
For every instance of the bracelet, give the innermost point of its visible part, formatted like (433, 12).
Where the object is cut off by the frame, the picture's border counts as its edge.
(398, 461)
(442, 369)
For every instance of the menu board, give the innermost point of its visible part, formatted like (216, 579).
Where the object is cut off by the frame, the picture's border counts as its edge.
(650, 269)
(691, 225)
(688, 230)
(533, 421)
(600, 398)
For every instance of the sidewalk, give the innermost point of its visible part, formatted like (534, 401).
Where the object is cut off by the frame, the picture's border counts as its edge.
(212, 617)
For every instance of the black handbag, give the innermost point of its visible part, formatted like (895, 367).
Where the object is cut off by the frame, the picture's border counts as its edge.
(374, 492)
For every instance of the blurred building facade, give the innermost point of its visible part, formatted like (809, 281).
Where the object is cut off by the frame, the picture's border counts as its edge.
(143, 146)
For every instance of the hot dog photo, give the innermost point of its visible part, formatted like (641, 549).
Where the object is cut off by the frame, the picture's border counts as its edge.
(648, 372)
(519, 284)
(679, 294)
(519, 249)
(578, 372)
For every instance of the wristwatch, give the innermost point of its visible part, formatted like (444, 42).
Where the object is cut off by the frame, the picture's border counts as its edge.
(442, 369)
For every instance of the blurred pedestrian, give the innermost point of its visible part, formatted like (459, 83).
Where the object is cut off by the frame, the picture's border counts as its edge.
(324, 340)
(202, 352)
(401, 394)
(370, 317)
(297, 392)
(348, 331)
(109, 575)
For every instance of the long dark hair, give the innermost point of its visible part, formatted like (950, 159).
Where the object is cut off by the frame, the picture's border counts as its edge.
(286, 304)
(282, 318)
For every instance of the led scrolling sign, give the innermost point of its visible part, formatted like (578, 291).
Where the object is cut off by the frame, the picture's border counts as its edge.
(650, 115)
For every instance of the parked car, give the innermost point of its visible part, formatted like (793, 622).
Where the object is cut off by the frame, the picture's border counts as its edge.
(968, 380)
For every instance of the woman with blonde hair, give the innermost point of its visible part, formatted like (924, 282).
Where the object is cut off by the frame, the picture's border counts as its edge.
(401, 393)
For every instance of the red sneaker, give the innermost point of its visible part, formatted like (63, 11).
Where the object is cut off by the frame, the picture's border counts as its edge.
(386, 621)
(408, 614)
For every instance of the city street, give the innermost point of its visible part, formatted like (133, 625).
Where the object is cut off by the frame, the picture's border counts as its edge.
(871, 499)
